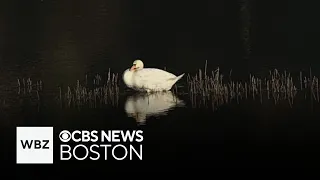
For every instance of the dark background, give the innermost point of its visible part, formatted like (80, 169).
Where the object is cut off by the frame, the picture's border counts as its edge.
(60, 41)
(178, 34)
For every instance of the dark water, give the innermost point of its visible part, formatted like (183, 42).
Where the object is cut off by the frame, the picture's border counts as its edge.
(179, 129)
(60, 42)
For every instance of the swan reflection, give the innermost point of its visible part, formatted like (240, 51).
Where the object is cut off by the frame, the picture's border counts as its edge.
(143, 105)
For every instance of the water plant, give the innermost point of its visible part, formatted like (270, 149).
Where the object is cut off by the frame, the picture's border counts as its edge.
(92, 93)
(277, 86)
(27, 87)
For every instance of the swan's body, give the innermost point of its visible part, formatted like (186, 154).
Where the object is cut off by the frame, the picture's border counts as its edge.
(149, 79)
(141, 106)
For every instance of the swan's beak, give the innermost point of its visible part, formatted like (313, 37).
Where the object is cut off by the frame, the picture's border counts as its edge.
(133, 67)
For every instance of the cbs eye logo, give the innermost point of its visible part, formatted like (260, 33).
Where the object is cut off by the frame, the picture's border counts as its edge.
(65, 136)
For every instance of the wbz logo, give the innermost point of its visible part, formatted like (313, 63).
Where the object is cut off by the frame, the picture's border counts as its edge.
(27, 144)
(34, 145)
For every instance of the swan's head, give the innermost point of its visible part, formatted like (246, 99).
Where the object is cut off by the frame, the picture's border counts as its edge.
(137, 64)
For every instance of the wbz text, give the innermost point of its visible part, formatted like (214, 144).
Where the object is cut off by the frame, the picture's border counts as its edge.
(34, 145)
(101, 145)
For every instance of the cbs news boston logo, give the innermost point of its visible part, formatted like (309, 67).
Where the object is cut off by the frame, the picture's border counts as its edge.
(34, 145)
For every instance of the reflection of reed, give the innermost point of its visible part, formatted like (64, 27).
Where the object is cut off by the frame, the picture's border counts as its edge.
(277, 86)
(103, 93)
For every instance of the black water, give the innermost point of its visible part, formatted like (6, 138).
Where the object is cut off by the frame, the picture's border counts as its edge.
(59, 42)
(244, 133)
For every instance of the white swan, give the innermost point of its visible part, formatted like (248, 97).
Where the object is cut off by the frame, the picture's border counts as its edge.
(141, 106)
(149, 79)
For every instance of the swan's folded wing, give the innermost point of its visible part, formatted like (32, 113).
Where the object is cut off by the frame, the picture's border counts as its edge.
(153, 75)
